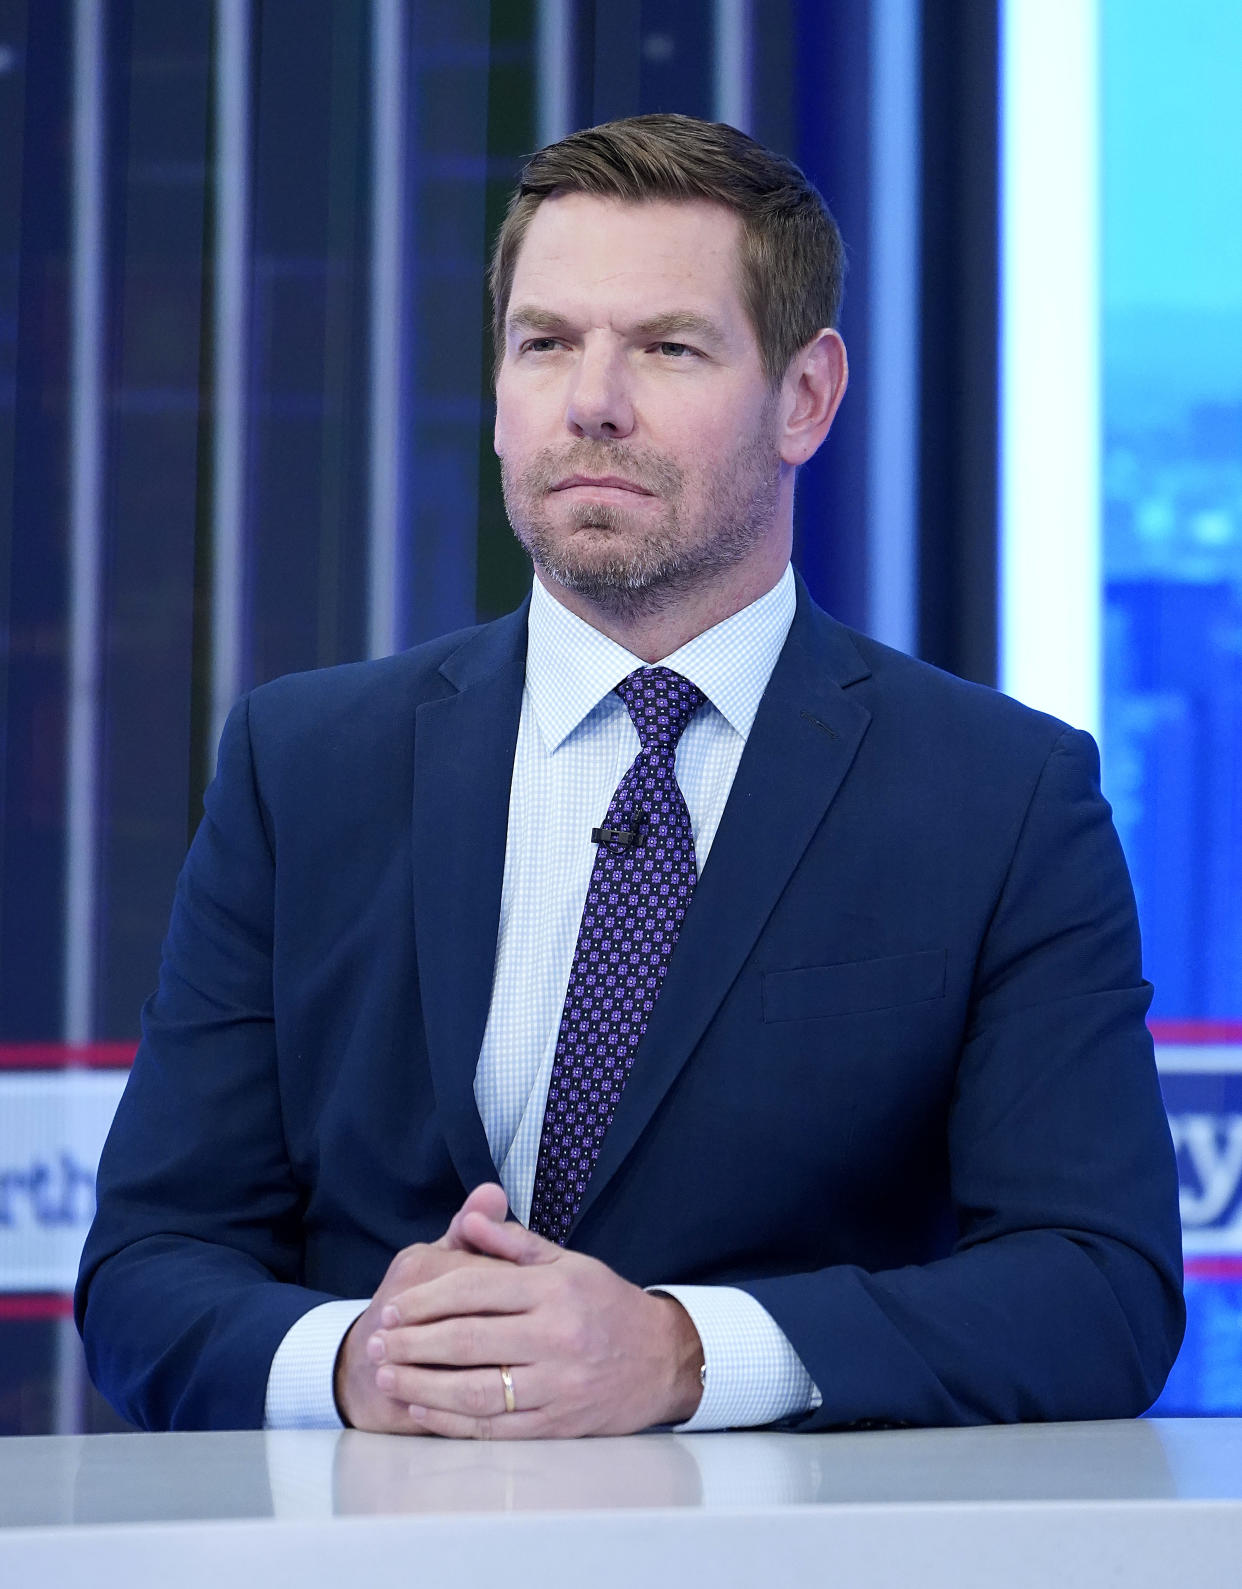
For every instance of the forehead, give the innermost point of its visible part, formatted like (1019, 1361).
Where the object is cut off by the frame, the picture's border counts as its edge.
(582, 252)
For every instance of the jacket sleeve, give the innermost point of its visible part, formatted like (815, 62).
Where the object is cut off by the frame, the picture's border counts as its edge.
(189, 1276)
(1061, 1298)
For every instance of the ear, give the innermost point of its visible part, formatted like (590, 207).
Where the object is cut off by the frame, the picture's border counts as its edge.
(811, 393)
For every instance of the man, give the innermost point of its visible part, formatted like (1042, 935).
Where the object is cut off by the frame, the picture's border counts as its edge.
(785, 990)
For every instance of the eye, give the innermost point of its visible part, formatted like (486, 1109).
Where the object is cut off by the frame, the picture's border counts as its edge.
(540, 345)
(674, 350)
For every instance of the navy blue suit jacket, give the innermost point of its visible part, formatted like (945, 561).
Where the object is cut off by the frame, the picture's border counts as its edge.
(898, 1084)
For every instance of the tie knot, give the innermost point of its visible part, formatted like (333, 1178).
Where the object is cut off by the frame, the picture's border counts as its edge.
(660, 704)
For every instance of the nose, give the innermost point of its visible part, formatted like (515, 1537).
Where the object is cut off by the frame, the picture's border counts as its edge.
(601, 405)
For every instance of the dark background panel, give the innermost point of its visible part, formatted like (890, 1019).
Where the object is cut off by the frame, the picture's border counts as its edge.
(307, 436)
(469, 117)
(958, 323)
(448, 170)
(159, 111)
(36, 108)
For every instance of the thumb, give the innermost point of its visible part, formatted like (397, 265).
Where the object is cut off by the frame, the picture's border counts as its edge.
(510, 1241)
(488, 1202)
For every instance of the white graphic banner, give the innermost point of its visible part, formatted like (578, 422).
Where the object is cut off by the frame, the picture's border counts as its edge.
(52, 1128)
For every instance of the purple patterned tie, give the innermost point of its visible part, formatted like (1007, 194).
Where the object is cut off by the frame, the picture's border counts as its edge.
(641, 884)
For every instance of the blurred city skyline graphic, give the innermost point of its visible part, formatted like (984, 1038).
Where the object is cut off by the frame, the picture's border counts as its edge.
(1171, 522)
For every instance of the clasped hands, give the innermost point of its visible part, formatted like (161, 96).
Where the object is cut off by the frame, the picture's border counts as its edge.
(587, 1352)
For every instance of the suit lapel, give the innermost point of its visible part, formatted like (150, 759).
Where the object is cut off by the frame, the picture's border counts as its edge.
(463, 762)
(800, 747)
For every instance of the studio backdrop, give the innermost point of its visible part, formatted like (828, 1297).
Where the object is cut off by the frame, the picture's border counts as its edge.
(245, 428)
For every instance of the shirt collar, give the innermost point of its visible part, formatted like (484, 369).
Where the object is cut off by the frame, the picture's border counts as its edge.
(572, 667)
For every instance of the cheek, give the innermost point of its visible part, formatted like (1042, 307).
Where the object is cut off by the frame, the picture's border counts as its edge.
(512, 442)
(704, 451)
(526, 419)
(512, 406)
(709, 425)
(691, 434)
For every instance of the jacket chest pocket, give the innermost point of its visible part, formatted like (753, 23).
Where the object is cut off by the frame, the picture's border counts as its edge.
(854, 987)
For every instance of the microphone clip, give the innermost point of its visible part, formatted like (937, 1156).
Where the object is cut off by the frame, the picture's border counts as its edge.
(623, 838)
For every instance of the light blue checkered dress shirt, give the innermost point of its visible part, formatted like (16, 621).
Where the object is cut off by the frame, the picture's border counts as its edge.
(575, 741)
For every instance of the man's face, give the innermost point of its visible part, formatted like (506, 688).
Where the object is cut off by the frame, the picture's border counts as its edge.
(634, 424)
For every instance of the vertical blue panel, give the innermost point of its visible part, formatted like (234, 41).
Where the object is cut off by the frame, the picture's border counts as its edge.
(555, 47)
(387, 596)
(1173, 485)
(93, 43)
(893, 440)
(229, 275)
(832, 86)
(1172, 561)
(733, 74)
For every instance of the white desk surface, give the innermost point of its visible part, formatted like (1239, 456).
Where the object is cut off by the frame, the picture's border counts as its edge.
(1153, 1502)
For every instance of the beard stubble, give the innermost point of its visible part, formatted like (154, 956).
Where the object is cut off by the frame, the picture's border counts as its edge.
(625, 564)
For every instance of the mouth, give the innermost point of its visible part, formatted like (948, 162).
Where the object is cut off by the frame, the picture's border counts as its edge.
(609, 482)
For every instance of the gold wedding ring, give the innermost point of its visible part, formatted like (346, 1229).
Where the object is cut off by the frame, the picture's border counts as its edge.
(506, 1379)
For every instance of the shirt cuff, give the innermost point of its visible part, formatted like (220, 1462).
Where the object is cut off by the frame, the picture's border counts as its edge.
(754, 1376)
(299, 1383)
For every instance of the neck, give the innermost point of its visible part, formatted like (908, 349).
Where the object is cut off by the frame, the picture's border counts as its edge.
(655, 632)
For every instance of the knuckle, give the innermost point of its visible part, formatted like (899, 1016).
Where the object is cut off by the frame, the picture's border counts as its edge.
(398, 1271)
(415, 1258)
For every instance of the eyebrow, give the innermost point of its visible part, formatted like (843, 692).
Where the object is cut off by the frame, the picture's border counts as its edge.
(680, 322)
(661, 327)
(529, 318)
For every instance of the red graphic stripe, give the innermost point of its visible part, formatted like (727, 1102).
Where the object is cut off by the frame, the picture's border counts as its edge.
(1196, 1031)
(67, 1056)
(119, 1056)
(1219, 1268)
(43, 1306)
(47, 1305)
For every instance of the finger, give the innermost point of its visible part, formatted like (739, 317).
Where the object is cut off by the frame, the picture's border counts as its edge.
(488, 1201)
(378, 1413)
(483, 1200)
(469, 1392)
(458, 1343)
(504, 1288)
(507, 1240)
(412, 1344)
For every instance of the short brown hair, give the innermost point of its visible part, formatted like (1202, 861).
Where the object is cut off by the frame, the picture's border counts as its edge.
(792, 257)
